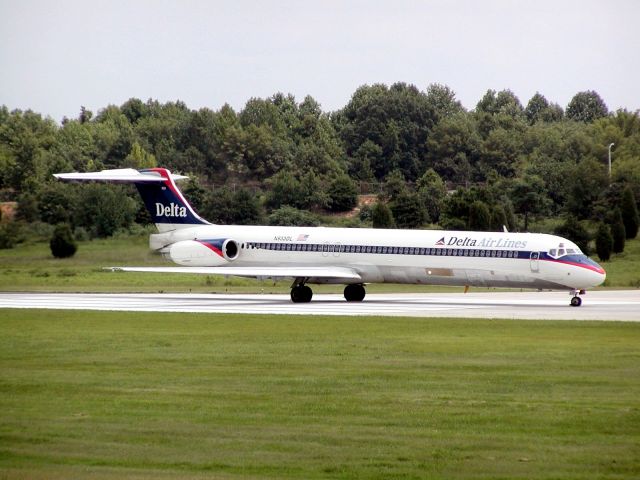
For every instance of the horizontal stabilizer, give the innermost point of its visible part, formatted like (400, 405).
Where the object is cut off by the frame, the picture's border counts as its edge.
(120, 175)
(343, 273)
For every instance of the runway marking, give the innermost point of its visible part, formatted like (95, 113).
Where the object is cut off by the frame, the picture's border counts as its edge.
(600, 305)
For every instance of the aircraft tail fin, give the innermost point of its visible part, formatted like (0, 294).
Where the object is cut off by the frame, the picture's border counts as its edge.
(162, 197)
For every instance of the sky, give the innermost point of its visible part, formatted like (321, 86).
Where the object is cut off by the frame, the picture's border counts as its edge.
(56, 56)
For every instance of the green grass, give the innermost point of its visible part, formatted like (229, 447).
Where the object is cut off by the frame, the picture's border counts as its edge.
(112, 395)
(623, 270)
(31, 267)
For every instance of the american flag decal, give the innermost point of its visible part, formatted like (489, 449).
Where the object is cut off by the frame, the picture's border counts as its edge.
(302, 237)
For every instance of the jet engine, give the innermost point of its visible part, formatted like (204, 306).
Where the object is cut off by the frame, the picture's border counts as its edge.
(204, 253)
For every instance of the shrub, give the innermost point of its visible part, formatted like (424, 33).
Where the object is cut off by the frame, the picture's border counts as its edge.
(604, 242)
(289, 216)
(381, 216)
(62, 243)
(343, 194)
(9, 235)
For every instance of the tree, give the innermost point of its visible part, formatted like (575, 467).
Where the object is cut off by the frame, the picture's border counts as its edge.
(453, 147)
(604, 242)
(396, 119)
(479, 216)
(232, 207)
(528, 195)
(195, 193)
(443, 101)
(9, 234)
(498, 218)
(289, 216)
(629, 211)
(343, 194)
(573, 230)
(381, 216)
(618, 231)
(540, 110)
(139, 158)
(394, 185)
(247, 208)
(586, 107)
(302, 193)
(62, 243)
(432, 191)
(27, 207)
(408, 211)
(103, 209)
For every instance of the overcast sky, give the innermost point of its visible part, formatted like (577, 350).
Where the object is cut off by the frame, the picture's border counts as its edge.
(56, 56)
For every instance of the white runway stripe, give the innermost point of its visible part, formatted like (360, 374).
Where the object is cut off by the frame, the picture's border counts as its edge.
(601, 305)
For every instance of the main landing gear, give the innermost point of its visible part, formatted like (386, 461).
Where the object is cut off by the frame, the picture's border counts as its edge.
(354, 292)
(300, 293)
(576, 301)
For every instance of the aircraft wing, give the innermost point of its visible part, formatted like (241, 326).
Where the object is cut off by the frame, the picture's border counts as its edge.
(343, 273)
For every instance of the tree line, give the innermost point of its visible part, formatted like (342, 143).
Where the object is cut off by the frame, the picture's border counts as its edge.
(430, 161)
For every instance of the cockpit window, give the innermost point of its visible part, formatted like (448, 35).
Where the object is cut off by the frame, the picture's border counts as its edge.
(561, 251)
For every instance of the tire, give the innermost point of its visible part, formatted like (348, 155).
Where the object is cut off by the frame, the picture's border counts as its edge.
(354, 292)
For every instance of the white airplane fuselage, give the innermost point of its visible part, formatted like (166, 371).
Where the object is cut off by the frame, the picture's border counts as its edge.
(429, 257)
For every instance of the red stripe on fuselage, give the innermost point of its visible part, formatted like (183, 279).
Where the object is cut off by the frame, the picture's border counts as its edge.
(593, 268)
(211, 247)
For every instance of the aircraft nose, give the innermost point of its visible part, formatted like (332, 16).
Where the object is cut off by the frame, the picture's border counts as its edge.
(599, 273)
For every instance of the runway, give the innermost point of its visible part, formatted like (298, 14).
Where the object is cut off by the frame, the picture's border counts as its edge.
(622, 305)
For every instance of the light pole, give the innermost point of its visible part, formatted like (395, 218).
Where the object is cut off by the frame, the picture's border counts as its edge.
(610, 145)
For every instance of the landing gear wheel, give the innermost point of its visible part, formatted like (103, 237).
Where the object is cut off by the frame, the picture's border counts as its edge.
(576, 301)
(354, 293)
(301, 294)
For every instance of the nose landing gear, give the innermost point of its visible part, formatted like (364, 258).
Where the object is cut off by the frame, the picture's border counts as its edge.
(576, 301)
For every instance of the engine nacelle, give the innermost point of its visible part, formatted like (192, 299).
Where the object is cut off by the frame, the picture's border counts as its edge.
(204, 253)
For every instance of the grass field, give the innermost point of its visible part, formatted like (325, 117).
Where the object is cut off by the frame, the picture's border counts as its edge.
(32, 268)
(113, 395)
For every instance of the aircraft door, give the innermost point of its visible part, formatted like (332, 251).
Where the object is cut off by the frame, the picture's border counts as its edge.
(534, 262)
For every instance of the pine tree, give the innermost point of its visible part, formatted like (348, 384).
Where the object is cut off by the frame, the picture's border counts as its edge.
(618, 231)
(629, 211)
(604, 242)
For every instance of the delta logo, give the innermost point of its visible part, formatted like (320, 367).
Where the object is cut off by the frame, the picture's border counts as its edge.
(486, 242)
(171, 210)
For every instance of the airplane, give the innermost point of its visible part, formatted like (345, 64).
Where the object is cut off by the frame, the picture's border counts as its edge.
(353, 257)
